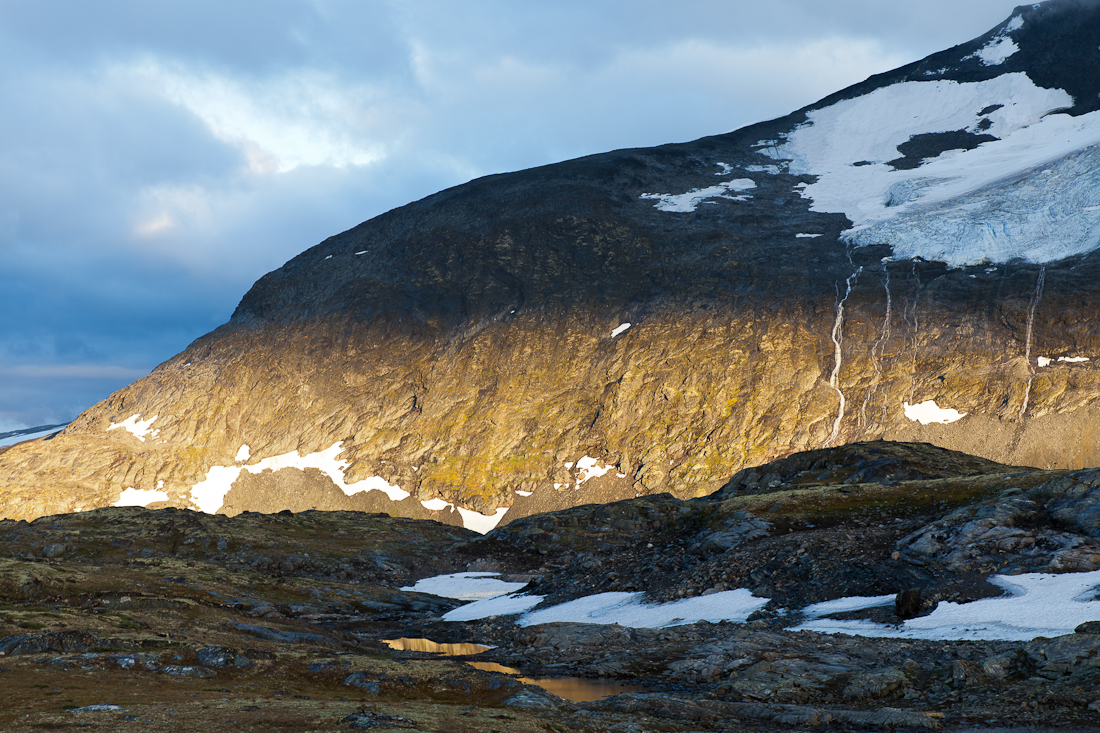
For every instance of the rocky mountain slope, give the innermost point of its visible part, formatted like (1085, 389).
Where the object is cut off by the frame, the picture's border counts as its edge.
(168, 619)
(913, 258)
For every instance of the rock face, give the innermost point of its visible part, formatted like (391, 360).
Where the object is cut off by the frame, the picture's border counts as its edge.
(912, 258)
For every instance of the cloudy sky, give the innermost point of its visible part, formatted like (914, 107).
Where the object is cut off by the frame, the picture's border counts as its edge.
(156, 158)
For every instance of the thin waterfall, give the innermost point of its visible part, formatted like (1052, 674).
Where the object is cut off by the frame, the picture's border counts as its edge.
(879, 346)
(838, 338)
(1035, 298)
(911, 309)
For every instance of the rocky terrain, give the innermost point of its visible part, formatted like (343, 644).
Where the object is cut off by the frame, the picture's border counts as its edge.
(654, 320)
(169, 619)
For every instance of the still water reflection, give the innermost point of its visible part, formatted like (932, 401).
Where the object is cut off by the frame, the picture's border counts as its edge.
(577, 689)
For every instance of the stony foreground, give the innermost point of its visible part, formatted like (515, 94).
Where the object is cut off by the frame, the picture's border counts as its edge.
(121, 619)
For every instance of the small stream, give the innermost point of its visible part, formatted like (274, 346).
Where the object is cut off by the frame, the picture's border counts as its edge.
(577, 689)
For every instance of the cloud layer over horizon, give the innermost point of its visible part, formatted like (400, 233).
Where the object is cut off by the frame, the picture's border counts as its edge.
(158, 158)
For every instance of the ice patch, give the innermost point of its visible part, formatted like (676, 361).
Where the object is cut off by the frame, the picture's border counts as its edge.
(481, 523)
(995, 202)
(465, 586)
(1040, 604)
(619, 329)
(929, 412)
(686, 202)
(138, 427)
(499, 606)
(140, 497)
(209, 494)
(243, 454)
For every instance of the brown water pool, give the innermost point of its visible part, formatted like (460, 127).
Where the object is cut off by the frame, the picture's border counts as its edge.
(577, 689)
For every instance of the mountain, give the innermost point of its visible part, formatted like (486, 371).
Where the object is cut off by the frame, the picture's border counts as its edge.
(912, 258)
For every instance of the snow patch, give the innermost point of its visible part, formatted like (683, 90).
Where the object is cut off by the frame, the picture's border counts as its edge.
(843, 605)
(627, 609)
(929, 412)
(1073, 359)
(1042, 361)
(619, 329)
(726, 169)
(1039, 604)
(996, 51)
(209, 494)
(499, 606)
(807, 236)
(481, 523)
(140, 497)
(686, 202)
(524, 493)
(1000, 47)
(772, 169)
(465, 586)
(589, 468)
(243, 454)
(138, 427)
(437, 505)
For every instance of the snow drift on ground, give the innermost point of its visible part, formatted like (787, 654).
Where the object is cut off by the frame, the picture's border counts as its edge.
(465, 586)
(1037, 604)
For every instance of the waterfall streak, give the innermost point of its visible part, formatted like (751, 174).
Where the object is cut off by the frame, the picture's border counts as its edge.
(1034, 305)
(838, 338)
(877, 350)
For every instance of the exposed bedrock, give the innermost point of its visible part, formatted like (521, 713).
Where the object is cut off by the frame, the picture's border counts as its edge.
(547, 402)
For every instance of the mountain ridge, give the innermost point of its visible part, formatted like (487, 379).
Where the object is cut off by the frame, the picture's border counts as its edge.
(465, 351)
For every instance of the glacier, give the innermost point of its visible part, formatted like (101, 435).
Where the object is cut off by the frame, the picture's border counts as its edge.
(1031, 194)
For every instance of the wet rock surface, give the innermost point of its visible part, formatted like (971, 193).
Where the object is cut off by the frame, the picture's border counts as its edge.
(236, 622)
